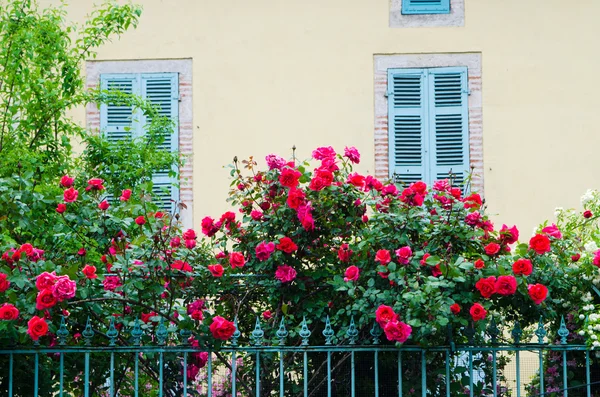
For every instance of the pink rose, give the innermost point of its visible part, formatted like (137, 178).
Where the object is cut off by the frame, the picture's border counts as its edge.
(190, 244)
(344, 253)
(189, 234)
(66, 181)
(404, 255)
(4, 283)
(95, 184)
(285, 273)
(216, 270)
(222, 328)
(236, 259)
(61, 208)
(383, 257)
(125, 195)
(264, 250)
(111, 283)
(492, 249)
(289, 177)
(352, 154)
(70, 195)
(305, 217)
(509, 235)
(552, 231)
(397, 331)
(275, 162)
(325, 152)
(352, 273)
(64, 288)
(384, 314)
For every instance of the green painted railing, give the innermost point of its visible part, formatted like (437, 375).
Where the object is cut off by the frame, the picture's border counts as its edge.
(157, 363)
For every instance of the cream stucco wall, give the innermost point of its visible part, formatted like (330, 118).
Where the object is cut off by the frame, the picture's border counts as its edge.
(269, 74)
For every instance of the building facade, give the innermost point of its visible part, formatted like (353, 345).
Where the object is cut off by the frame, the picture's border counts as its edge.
(504, 89)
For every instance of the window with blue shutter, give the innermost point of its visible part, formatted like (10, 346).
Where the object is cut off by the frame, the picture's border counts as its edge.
(425, 7)
(428, 124)
(123, 122)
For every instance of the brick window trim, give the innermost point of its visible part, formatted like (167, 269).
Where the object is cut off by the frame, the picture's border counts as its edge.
(381, 138)
(184, 68)
(456, 17)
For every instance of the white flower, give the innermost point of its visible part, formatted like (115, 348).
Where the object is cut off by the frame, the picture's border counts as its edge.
(581, 333)
(581, 316)
(587, 196)
(591, 246)
(558, 211)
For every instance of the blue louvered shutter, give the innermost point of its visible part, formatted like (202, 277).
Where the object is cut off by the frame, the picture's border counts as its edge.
(425, 7)
(162, 90)
(117, 121)
(449, 120)
(407, 125)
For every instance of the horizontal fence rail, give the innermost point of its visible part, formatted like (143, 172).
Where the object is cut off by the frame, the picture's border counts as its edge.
(168, 363)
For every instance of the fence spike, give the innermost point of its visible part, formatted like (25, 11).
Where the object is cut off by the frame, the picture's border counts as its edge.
(304, 332)
(282, 332)
(136, 333)
(62, 332)
(517, 332)
(352, 332)
(161, 332)
(88, 333)
(493, 331)
(376, 333)
(258, 333)
(328, 331)
(541, 332)
(112, 332)
(470, 333)
(236, 335)
(185, 335)
(563, 332)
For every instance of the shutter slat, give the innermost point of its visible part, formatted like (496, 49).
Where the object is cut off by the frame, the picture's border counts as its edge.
(425, 6)
(116, 121)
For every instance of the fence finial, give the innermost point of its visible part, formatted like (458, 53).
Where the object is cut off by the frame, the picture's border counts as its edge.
(541, 332)
(563, 331)
(376, 333)
(304, 332)
(137, 332)
(236, 335)
(352, 332)
(282, 332)
(112, 332)
(161, 332)
(493, 331)
(88, 333)
(328, 331)
(258, 333)
(517, 332)
(62, 332)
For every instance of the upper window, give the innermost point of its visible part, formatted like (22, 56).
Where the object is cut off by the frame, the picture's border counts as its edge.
(124, 122)
(425, 7)
(428, 118)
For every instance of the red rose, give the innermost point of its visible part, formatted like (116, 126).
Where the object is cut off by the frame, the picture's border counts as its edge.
(383, 257)
(537, 293)
(285, 273)
(419, 187)
(351, 274)
(305, 217)
(89, 272)
(190, 244)
(587, 214)
(540, 243)
(344, 253)
(61, 208)
(189, 234)
(37, 327)
(125, 195)
(552, 231)
(103, 205)
(66, 181)
(455, 308)
(70, 195)
(477, 312)
(289, 177)
(472, 201)
(506, 285)
(522, 267)
(352, 154)
(111, 283)
(181, 265)
(264, 250)
(479, 264)
(216, 270)
(397, 331)
(146, 316)
(175, 242)
(45, 300)
(8, 312)
(384, 314)
(95, 184)
(575, 257)
(267, 315)
(486, 286)
(140, 220)
(356, 179)
(492, 249)
(509, 235)
(4, 283)
(295, 198)
(221, 328)
(236, 259)
(286, 245)
(45, 281)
